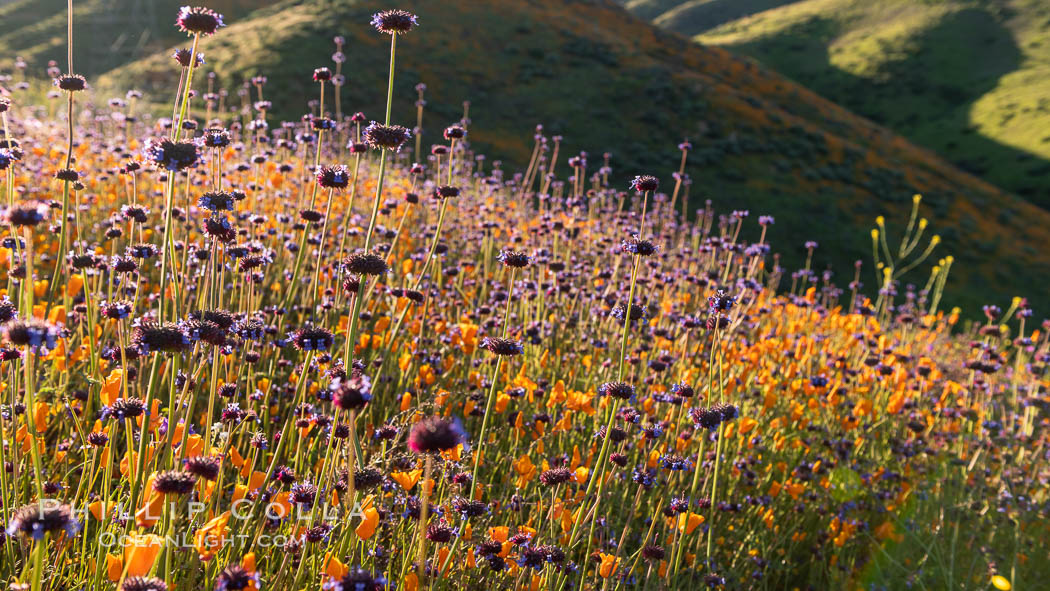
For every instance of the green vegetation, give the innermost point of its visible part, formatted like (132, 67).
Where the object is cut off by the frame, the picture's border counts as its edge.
(967, 78)
(106, 33)
(605, 81)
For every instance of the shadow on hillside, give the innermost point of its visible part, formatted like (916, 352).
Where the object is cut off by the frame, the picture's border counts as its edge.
(701, 15)
(926, 92)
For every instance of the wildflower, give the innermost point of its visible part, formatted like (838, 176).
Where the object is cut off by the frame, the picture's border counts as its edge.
(468, 508)
(356, 579)
(312, 339)
(171, 155)
(446, 192)
(219, 228)
(185, 57)
(721, 301)
(386, 137)
(653, 553)
(555, 476)
(71, 82)
(173, 482)
(34, 334)
(352, 393)
(434, 434)
(42, 517)
(236, 577)
(619, 390)
(322, 74)
(169, 337)
(7, 309)
(726, 412)
(367, 478)
(303, 493)
(645, 183)
(143, 584)
(333, 177)
(502, 347)
(216, 201)
(517, 260)
(206, 467)
(705, 418)
(198, 20)
(455, 132)
(365, 263)
(27, 215)
(637, 312)
(394, 22)
(639, 247)
(216, 138)
(125, 408)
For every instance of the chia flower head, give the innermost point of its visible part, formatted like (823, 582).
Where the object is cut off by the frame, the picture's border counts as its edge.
(206, 467)
(174, 482)
(169, 337)
(705, 417)
(637, 312)
(34, 333)
(235, 577)
(502, 347)
(653, 553)
(352, 393)
(434, 434)
(674, 463)
(27, 214)
(645, 183)
(386, 137)
(143, 584)
(97, 438)
(7, 309)
(46, 516)
(721, 301)
(365, 263)
(184, 56)
(312, 338)
(446, 192)
(514, 259)
(303, 493)
(171, 155)
(71, 82)
(356, 579)
(333, 177)
(455, 132)
(726, 412)
(219, 228)
(197, 20)
(367, 478)
(555, 476)
(216, 201)
(394, 22)
(620, 390)
(637, 246)
(216, 138)
(125, 408)
(683, 390)
(468, 508)
(322, 74)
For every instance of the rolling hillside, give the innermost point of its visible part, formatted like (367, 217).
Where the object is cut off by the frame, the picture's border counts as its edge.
(106, 33)
(605, 80)
(967, 78)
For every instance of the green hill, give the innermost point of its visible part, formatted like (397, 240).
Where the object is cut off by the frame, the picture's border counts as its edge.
(605, 80)
(106, 33)
(967, 78)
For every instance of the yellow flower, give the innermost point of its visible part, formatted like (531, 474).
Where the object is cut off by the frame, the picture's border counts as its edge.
(1001, 583)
